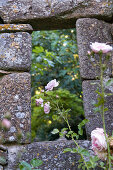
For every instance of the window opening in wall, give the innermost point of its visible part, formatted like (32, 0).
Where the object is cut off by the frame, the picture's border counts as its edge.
(55, 56)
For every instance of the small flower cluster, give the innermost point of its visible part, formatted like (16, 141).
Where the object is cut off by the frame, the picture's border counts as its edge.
(40, 101)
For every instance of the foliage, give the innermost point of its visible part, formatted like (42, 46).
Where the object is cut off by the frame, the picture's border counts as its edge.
(42, 124)
(61, 113)
(34, 163)
(87, 161)
(55, 57)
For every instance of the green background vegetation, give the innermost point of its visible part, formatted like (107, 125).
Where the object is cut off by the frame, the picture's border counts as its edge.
(55, 56)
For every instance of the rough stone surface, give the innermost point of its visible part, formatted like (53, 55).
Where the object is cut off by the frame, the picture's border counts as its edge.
(1, 167)
(112, 30)
(15, 51)
(53, 14)
(15, 95)
(90, 97)
(3, 148)
(51, 153)
(15, 28)
(91, 30)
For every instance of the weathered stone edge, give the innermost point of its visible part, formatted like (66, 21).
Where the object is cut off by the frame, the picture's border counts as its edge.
(7, 28)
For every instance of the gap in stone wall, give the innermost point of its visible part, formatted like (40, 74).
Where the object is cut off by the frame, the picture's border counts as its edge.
(55, 56)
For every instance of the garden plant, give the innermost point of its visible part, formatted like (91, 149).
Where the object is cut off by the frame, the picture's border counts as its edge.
(102, 143)
(55, 56)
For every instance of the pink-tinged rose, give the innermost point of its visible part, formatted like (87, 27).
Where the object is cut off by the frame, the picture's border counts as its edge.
(39, 102)
(47, 107)
(96, 47)
(6, 123)
(98, 140)
(51, 85)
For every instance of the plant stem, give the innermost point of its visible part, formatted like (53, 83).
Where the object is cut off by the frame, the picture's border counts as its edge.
(76, 143)
(102, 112)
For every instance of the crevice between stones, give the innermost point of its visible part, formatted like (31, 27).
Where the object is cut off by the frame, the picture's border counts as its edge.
(1, 20)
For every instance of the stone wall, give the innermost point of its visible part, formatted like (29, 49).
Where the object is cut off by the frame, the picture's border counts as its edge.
(18, 19)
(54, 14)
(50, 152)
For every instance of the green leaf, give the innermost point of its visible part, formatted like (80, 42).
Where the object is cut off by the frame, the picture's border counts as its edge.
(67, 135)
(80, 130)
(100, 101)
(108, 94)
(80, 165)
(75, 135)
(109, 82)
(83, 167)
(100, 94)
(67, 150)
(96, 109)
(93, 160)
(89, 164)
(36, 162)
(94, 83)
(107, 57)
(80, 160)
(64, 129)
(55, 117)
(21, 167)
(63, 132)
(38, 49)
(79, 149)
(106, 109)
(25, 166)
(102, 164)
(62, 72)
(55, 131)
(93, 102)
(85, 152)
(74, 150)
(70, 132)
(111, 157)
